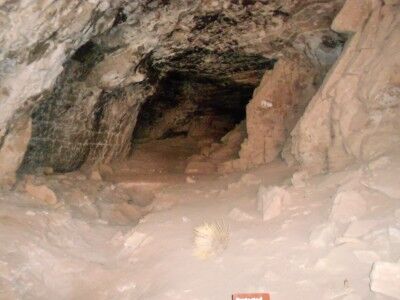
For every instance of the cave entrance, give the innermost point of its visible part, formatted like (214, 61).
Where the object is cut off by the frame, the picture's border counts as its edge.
(195, 119)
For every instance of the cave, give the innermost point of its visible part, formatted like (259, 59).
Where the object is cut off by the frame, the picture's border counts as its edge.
(200, 96)
(199, 149)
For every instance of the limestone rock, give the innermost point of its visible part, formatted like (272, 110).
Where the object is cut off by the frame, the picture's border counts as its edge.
(299, 178)
(367, 257)
(190, 180)
(33, 55)
(383, 176)
(135, 239)
(271, 201)
(351, 17)
(348, 206)
(353, 116)
(323, 235)
(267, 127)
(359, 228)
(87, 83)
(13, 149)
(95, 175)
(238, 215)
(42, 193)
(120, 213)
(385, 278)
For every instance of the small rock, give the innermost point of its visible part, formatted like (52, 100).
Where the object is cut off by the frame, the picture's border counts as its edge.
(239, 215)
(190, 180)
(368, 257)
(385, 279)
(41, 192)
(12, 150)
(360, 228)
(135, 239)
(394, 234)
(270, 201)
(105, 171)
(299, 178)
(383, 176)
(382, 162)
(348, 206)
(48, 171)
(338, 260)
(95, 175)
(132, 212)
(323, 235)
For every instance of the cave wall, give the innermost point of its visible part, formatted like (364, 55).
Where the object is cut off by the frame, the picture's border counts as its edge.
(192, 86)
(277, 104)
(355, 116)
(36, 38)
(76, 100)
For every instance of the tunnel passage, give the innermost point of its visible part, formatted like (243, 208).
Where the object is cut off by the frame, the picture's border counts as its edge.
(187, 102)
(200, 97)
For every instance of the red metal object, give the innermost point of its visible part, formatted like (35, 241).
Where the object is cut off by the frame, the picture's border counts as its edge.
(251, 296)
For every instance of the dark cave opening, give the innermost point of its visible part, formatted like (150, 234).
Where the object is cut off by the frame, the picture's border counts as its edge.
(182, 99)
(187, 103)
(200, 97)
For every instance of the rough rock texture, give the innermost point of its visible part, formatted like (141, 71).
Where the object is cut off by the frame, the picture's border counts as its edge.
(355, 114)
(270, 201)
(88, 66)
(13, 149)
(213, 154)
(276, 106)
(385, 277)
(42, 193)
(36, 38)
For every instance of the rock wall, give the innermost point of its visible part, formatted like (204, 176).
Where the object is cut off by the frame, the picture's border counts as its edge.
(13, 149)
(276, 106)
(355, 116)
(36, 38)
(83, 63)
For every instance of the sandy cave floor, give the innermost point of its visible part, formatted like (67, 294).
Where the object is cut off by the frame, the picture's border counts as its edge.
(52, 252)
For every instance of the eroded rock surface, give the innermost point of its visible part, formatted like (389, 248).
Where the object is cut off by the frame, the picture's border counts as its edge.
(88, 67)
(355, 114)
(13, 149)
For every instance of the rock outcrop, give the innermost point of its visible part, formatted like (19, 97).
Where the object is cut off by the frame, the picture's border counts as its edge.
(355, 114)
(12, 150)
(87, 67)
(277, 104)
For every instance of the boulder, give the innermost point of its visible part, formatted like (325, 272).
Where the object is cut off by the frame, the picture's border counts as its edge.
(271, 201)
(42, 193)
(351, 17)
(323, 235)
(359, 228)
(354, 116)
(385, 279)
(348, 206)
(238, 215)
(13, 149)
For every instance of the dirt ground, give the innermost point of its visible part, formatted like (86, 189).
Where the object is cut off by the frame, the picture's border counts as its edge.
(312, 248)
